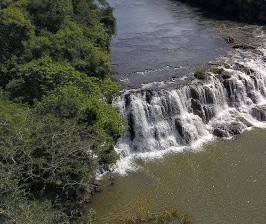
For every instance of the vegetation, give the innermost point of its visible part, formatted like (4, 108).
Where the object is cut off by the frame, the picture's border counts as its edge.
(217, 70)
(144, 214)
(252, 11)
(56, 122)
(201, 74)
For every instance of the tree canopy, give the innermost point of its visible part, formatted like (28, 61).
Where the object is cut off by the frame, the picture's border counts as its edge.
(57, 125)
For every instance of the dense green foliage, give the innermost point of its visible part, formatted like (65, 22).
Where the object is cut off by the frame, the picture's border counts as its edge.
(251, 11)
(56, 122)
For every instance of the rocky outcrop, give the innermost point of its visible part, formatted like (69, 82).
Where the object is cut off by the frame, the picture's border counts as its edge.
(235, 43)
(259, 112)
(227, 130)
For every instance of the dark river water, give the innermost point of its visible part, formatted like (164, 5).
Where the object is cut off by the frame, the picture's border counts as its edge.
(223, 182)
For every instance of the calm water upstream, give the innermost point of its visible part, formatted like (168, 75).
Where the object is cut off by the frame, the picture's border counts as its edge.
(160, 39)
(225, 181)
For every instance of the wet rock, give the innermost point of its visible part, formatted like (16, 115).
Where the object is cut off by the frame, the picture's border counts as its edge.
(148, 95)
(235, 128)
(112, 180)
(218, 132)
(127, 100)
(244, 121)
(166, 106)
(243, 69)
(254, 80)
(107, 167)
(208, 112)
(231, 129)
(184, 134)
(235, 43)
(253, 97)
(226, 75)
(209, 96)
(259, 112)
(194, 94)
(123, 153)
(131, 124)
(227, 85)
(156, 135)
(101, 169)
(97, 186)
(197, 108)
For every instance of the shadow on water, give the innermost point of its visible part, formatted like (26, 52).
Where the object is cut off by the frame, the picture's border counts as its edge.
(210, 12)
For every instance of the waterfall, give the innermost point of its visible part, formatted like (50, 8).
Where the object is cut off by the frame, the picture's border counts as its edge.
(224, 105)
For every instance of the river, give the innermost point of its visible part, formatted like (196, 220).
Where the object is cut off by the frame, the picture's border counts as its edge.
(222, 183)
(157, 46)
(160, 39)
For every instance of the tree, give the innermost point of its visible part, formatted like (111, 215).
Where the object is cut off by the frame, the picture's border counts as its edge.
(15, 29)
(30, 82)
(57, 125)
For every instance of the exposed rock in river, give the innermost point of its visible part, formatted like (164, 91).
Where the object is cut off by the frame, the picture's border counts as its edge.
(235, 43)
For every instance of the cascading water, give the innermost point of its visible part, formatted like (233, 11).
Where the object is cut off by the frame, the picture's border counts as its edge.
(223, 105)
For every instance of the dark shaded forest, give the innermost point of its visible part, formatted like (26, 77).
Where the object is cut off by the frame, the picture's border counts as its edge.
(250, 11)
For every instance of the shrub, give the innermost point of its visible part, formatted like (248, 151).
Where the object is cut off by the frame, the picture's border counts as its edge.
(217, 70)
(201, 74)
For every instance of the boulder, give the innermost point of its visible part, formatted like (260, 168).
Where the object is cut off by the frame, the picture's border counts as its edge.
(218, 132)
(235, 43)
(259, 112)
(229, 129)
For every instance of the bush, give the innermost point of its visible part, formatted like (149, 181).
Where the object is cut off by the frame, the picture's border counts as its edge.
(217, 70)
(201, 74)
(72, 102)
